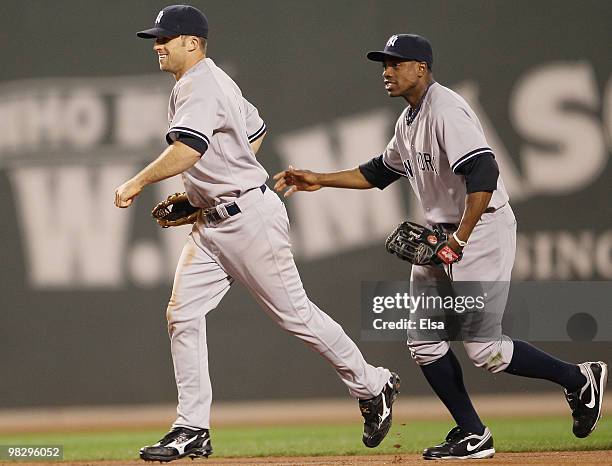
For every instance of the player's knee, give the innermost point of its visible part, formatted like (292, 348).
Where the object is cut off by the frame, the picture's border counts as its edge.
(493, 356)
(176, 312)
(424, 353)
(171, 309)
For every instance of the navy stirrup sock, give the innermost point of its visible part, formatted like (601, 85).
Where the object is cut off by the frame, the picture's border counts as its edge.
(529, 361)
(446, 378)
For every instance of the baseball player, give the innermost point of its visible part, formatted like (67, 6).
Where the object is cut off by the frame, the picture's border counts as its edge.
(439, 146)
(241, 234)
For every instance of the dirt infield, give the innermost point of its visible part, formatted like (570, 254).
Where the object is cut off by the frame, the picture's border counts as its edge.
(600, 458)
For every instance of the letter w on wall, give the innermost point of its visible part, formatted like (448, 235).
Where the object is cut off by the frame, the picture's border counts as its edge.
(72, 233)
(332, 220)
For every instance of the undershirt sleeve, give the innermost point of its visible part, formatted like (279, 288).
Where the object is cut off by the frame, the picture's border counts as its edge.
(480, 173)
(195, 143)
(377, 174)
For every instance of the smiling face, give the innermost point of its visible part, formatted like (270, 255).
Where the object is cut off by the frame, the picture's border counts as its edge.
(401, 78)
(171, 53)
(179, 53)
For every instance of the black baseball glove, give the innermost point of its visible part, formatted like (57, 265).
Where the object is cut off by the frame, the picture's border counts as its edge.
(421, 246)
(175, 211)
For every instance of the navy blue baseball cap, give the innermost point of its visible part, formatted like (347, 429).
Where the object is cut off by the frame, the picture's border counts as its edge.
(405, 47)
(177, 20)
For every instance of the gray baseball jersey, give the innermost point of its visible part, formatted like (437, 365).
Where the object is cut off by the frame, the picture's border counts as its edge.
(430, 145)
(207, 104)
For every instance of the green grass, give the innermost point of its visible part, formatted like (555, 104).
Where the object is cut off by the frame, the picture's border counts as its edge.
(529, 434)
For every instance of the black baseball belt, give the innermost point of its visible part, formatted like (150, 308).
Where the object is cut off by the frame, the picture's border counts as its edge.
(453, 226)
(212, 215)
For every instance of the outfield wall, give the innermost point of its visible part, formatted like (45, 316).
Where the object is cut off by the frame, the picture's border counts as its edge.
(82, 107)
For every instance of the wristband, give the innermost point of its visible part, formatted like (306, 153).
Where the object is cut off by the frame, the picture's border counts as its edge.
(459, 242)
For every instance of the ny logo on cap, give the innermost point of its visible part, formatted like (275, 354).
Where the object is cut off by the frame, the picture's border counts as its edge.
(391, 41)
(159, 17)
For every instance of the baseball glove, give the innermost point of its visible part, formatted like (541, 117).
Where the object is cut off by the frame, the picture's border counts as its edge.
(421, 246)
(175, 211)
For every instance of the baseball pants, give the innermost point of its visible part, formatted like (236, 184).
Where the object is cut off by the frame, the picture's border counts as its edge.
(252, 247)
(489, 258)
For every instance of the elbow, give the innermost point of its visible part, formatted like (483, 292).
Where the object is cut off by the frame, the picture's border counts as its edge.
(188, 155)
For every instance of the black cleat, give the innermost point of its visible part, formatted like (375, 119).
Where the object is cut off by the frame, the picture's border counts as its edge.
(179, 443)
(377, 412)
(586, 401)
(462, 445)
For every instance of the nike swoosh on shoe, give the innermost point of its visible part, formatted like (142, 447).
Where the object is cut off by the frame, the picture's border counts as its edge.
(591, 382)
(471, 447)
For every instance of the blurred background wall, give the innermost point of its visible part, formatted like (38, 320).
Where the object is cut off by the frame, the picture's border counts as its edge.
(83, 107)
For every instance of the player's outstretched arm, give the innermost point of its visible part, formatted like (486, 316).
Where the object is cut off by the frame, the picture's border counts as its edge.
(305, 180)
(177, 158)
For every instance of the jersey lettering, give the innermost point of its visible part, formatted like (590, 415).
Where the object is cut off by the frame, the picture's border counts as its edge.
(408, 168)
(425, 162)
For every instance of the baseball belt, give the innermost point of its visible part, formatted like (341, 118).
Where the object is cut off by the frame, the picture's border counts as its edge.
(212, 215)
(454, 226)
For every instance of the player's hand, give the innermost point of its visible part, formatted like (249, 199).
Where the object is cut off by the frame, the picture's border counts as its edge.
(295, 180)
(125, 194)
